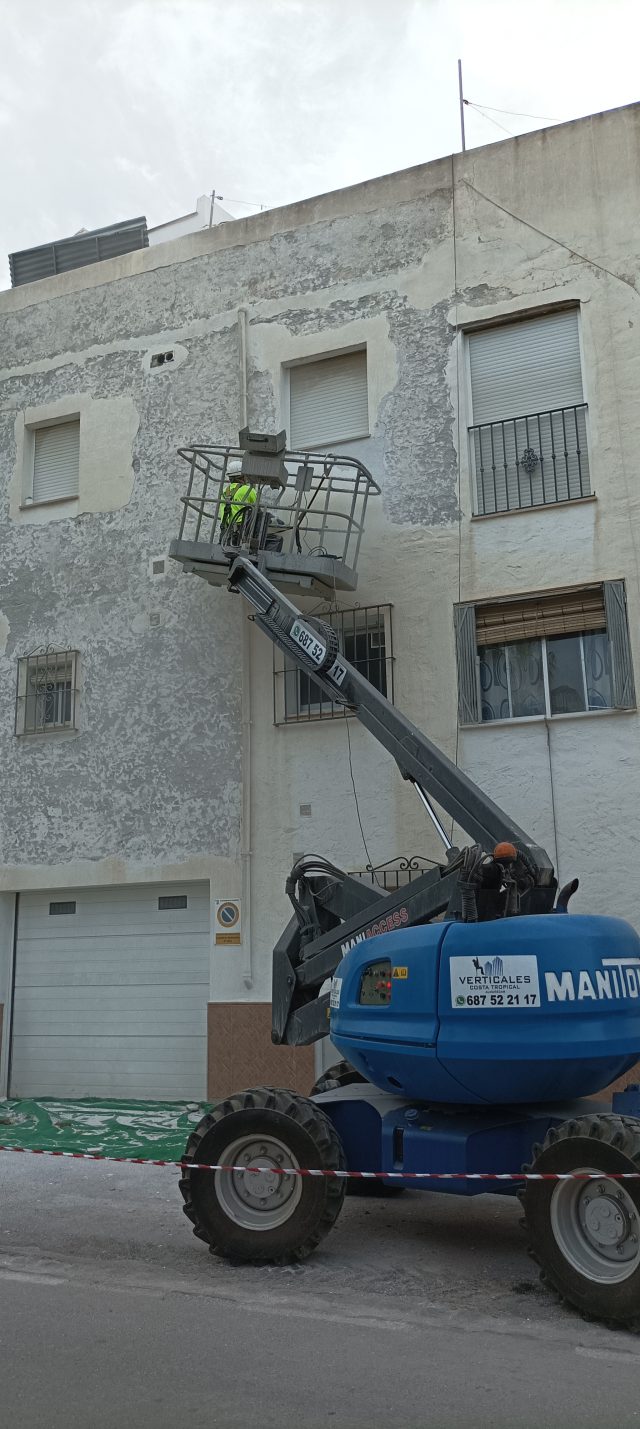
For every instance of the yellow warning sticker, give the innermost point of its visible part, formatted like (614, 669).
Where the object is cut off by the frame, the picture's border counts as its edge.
(400, 972)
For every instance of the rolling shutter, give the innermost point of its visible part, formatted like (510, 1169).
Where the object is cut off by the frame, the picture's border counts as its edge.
(56, 461)
(624, 695)
(568, 613)
(468, 690)
(328, 400)
(524, 367)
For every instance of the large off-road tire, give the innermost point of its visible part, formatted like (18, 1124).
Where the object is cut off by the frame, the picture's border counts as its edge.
(263, 1217)
(585, 1235)
(341, 1074)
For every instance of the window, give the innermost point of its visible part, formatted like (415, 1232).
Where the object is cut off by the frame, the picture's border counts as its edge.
(552, 654)
(365, 641)
(56, 461)
(328, 400)
(46, 698)
(168, 903)
(62, 909)
(528, 440)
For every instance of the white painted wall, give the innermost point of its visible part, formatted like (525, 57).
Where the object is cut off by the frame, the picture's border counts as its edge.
(190, 222)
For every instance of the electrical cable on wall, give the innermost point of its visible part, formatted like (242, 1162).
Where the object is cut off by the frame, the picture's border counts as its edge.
(355, 795)
(353, 781)
(552, 238)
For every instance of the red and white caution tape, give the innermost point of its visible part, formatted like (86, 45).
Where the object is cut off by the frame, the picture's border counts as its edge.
(340, 1175)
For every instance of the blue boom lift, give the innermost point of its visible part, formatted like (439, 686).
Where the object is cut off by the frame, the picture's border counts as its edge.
(472, 1019)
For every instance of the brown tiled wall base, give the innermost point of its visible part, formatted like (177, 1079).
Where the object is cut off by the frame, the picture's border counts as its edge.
(632, 1076)
(241, 1054)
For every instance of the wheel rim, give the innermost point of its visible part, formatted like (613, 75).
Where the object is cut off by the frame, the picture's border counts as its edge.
(258, 1199)
(597, 1227)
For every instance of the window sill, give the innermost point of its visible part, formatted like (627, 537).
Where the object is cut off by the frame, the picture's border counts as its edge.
(527, 510)
(42, 733)
(53, 501)
(330, 442)
(516, 720)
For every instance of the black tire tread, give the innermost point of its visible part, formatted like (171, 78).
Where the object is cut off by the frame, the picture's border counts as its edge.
(306, 1115)
(622, 1133)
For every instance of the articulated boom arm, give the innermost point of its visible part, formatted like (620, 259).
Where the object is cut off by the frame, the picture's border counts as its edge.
(420, 761)
(333, 909)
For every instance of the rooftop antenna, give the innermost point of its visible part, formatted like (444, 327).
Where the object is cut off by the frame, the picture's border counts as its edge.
(220, 199)
(461, 105)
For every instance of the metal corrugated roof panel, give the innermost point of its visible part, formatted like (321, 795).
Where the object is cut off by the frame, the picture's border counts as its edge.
(45, 261)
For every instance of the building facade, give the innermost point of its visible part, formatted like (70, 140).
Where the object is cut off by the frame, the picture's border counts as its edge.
(467, 329)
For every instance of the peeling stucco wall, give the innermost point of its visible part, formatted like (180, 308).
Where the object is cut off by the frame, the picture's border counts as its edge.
(152, 780)
(152, 775)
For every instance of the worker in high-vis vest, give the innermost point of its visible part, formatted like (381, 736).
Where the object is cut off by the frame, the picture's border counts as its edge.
(237, 499)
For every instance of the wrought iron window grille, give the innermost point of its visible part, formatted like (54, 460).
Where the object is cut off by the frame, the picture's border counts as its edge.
(46, 696)
(365, 638)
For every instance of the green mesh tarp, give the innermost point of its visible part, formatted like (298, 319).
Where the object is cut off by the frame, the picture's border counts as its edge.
(154, 1130)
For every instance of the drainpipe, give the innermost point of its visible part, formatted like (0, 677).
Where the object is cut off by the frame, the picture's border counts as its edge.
(247, 970)
(243, 320)
(6, 1031)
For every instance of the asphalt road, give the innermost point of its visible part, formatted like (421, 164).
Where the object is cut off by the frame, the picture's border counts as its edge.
(423, 1311)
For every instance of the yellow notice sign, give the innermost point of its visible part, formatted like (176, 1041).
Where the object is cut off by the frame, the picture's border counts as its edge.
(400, 972)
(228, 939)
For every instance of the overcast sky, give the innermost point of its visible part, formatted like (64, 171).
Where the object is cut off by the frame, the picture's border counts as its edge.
(114, 108)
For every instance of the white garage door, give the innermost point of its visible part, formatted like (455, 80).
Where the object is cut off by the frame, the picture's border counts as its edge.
(111, 993)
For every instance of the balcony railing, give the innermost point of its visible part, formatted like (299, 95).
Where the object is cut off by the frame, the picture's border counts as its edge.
(394, 874)
(535, 460)
(315, 522)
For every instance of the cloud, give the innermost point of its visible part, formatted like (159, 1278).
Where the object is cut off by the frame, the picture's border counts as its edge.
(127, 166)
(135, 105)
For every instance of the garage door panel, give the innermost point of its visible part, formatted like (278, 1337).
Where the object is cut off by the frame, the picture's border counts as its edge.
(134, 895)
(71, 970)
(92, 922)
(96, 946)
(140, 1053)
(112, 1000)
(92, 917)
(114, 1020)
(86, 1067)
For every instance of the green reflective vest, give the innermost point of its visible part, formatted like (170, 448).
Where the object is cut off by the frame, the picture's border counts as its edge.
(236, 498)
